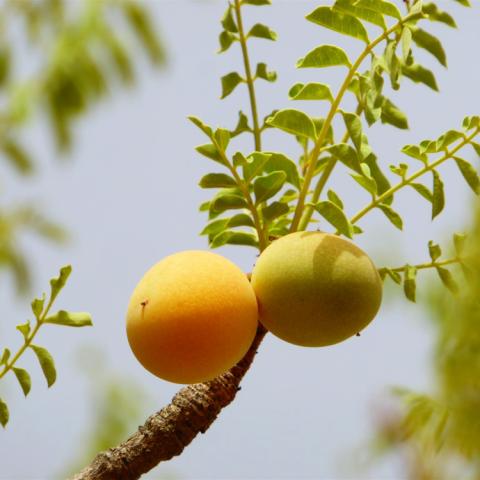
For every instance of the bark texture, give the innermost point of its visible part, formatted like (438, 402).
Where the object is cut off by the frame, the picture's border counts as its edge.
(166, 433)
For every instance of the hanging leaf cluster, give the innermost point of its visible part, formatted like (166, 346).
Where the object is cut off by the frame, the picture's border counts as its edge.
(41, 308)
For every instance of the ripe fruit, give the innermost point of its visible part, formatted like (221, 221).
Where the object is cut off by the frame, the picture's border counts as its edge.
(315, 289)
(192, 317)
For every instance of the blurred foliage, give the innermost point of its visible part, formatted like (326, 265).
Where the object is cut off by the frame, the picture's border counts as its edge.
(58, 59)
(439, 433)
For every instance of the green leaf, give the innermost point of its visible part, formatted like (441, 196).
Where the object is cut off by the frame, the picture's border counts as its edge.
(217, 226)
(438, 202)
(395, 276)
(367, 14)
(202, 126)
(423, 191)
(430, 43)
(392, 115)
(5, 356)
(226, 40)
(347, 155)
(365, 180)
(335, 216)
(339, 22)
(274, 210)
(447, 279)
(434, 250)
(469, 174)
(227, 201)
(4, 414)
(262, 31)
(437, 15)
(229, 83)
(37, 306)
(470, 122)
(476, 147)
(447, 139)
(392, 215)
(56, 284)
(406, 41)
(354, 128)
(242, 126)
(415, 152)
(17, 155)
(234, 238)
(419, 74)
(228, 22)
(46, 363)
(279, 161)
(381, 6)
(70, 319)
(324, 56)
(310, 91)
(24, 379)
(409, 282)
(222, 138)
(24, 329)
(267, 186)
(210, 151)
(256, 2)
(217, 180)
(262, 72)
(334, 198)
(293, 122)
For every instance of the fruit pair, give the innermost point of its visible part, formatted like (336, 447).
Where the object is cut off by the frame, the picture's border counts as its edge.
(194, 314)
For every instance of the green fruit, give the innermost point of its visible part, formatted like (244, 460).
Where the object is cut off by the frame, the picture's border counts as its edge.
(315, 289)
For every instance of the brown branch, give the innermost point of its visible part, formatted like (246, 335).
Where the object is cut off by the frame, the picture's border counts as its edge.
(166, 433)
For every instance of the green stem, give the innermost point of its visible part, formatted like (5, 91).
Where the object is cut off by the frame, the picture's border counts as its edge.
(424, 266)
(328, 121)
(249, 77)
(28, 340)
(406, 181)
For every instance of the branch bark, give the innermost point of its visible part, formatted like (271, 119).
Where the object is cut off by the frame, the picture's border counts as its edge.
(166, 433)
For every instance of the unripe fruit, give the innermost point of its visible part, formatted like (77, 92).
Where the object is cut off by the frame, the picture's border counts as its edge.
(192, 317)
(315, 289)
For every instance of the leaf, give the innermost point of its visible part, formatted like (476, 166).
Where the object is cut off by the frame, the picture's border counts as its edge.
(423, 191)
(70, 319)
(459, 243)
(310, 91)
(409, 282)
(228, 22)
(434, 250)
(414, 152)
(393, 216)
(347, 155)
(367, 182)
(46, 363)
(324, 56)
(279, 161)
(470, 122)
(447, 139)
(37, 306)
(226, 40)
(395, 276)
(392, 115)
(210, 151)
(4, 414)
(358, 11)
(56, 284)
(438, 202)
(262, 31)
(18, 156)
(293, 122)
(255, 165)
(242, 126)
(406, 41)
(274, 210)
(5, 356)
(202, 126)
(339, 22)
(234, 238)
(256, 2)
(469, 174)
(447, 279)
(229, 83)
(354, 128)
(334, 198)
(24, 379)
(437, 15)
(419, 74)
(430, 43)
(381, 6)
(335, 216)
(227, 201)
(267, 186)
(24, 329)
(217, 180)
(262, 72)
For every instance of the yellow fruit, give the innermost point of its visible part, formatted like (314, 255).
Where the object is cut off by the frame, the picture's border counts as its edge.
(315, 289)
(192, 317)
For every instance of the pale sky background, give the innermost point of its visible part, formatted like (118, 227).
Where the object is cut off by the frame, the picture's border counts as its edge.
(129, 196)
